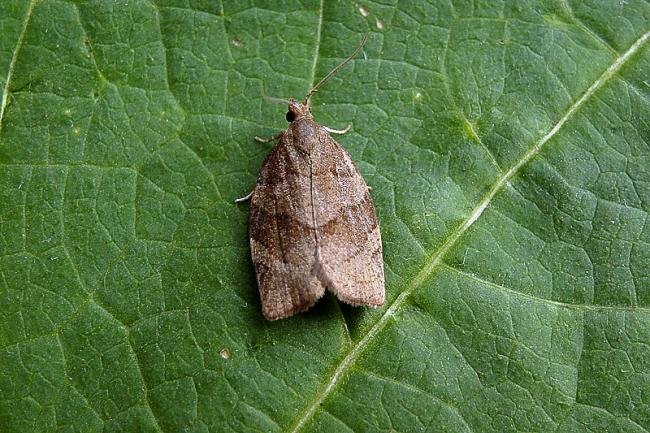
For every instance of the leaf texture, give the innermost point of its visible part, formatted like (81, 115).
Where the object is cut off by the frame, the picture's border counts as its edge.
(507, 145)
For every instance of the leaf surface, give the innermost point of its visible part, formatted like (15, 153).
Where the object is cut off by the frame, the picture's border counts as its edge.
(508, 148)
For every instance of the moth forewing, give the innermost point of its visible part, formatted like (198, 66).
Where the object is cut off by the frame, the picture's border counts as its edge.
(312, 223)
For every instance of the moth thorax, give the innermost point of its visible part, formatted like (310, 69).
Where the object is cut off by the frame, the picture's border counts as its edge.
(304, 134)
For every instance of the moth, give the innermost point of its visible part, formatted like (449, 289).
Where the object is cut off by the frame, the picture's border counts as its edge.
(312, 222)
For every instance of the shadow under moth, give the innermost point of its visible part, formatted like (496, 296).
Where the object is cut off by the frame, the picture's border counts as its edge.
(312, 221)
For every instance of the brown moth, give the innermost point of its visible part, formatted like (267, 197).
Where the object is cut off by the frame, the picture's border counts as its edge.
(312, 222)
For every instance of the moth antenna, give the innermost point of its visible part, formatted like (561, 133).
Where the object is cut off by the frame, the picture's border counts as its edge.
(335, 70)
(274, 99)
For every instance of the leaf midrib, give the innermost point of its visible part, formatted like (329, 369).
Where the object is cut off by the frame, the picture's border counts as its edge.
(435, 259)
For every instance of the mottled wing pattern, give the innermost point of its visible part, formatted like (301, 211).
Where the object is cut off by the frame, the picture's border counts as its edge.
(349, 257)
(313, 225)
(283, 242)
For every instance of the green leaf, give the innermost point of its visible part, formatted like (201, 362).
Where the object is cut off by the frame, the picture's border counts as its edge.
(508, 148)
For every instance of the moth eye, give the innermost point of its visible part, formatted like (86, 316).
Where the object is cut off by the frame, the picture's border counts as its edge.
(290, 116)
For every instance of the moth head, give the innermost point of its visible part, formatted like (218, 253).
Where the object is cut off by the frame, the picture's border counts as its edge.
(297, 110)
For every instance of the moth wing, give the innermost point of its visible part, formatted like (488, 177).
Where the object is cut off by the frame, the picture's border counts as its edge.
(349, 258)
(282, 237)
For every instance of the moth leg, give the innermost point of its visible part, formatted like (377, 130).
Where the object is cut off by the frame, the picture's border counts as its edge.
(268, 139)
(245, 198)
(338, 131)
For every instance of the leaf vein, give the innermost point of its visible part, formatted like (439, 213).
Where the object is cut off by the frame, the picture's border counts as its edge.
(558, 304)
(14, 58)
(135, 358)
(433, 262)
(582, 26)
(417, 390)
